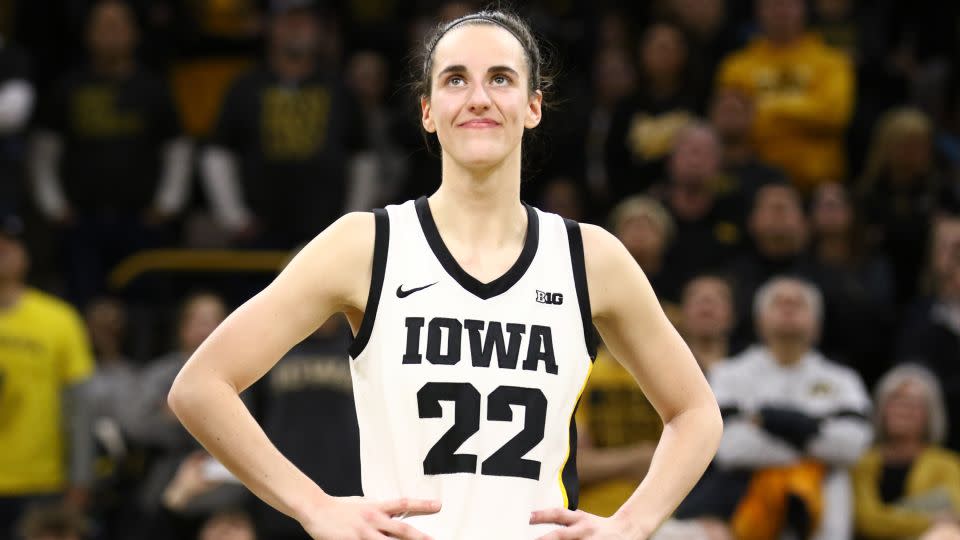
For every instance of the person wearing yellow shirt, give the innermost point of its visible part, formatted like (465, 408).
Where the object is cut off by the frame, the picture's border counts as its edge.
(907, 485)
(44, 356)
(803, 92)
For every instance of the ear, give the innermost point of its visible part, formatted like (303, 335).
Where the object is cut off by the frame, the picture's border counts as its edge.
(534, 110)
(425, 117)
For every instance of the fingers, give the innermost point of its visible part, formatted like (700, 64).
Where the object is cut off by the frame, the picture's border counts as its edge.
(568, 533)
(560, 516)
(409, 506)
(398, 529)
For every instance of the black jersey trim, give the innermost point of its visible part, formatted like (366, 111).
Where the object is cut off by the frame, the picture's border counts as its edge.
(569, 477)
(482, 290)
(380, 244)
(580, 282)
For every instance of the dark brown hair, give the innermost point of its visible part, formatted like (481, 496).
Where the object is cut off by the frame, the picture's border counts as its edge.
(539, 76)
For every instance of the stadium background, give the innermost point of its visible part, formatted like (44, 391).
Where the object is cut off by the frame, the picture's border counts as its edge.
(159, 160)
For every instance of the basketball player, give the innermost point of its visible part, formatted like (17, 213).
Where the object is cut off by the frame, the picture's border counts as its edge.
(474, 318)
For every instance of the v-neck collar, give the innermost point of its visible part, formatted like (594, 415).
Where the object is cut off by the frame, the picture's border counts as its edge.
(473, 285)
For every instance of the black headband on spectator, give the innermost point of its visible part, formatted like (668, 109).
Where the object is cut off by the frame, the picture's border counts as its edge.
(469, 18)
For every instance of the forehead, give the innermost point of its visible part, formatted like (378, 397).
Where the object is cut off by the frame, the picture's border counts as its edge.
(789, 291)
(477, 47)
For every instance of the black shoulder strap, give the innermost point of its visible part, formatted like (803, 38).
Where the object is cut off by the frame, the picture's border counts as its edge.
(380, 244)
(580, 281)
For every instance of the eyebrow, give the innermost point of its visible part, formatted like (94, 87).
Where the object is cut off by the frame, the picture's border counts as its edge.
(460, 68)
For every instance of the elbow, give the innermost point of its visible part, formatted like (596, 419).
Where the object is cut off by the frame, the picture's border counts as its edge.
(183, 396)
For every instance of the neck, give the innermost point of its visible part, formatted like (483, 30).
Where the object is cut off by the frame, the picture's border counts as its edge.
(114, 66)
(661, 87)
(833, 248)
(784, 40)
(902, 450)
(788, 352)
(291, 68)
(737, 150)
(708, 350)
(480, 206)
(10, 292)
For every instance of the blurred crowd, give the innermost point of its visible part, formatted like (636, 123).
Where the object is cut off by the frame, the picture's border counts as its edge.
(786, 173)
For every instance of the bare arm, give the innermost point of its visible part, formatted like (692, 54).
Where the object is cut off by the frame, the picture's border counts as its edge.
(324, 278)
(635, 329)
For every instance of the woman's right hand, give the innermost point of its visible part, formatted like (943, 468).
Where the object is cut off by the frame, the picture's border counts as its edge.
(357, 518)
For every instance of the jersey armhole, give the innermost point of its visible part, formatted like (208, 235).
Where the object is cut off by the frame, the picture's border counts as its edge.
(580, 282)
(380, 244)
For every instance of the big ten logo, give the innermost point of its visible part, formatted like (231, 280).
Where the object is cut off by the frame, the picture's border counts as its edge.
(554, 299)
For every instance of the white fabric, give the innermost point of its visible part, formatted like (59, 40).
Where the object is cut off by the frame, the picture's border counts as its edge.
(394, 439)
(16, 103)
(222, 182)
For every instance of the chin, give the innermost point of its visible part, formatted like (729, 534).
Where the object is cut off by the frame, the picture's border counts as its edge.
(480, 155)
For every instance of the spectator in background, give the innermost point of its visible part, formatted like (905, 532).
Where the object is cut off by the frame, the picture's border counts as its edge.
(44, 358)
(54, 523)
(793, 419)
(564, 196)
(780, 234)
(644, 125)
(276, 169)
(314, 378)
(907, 484)
(107, 395)
(109, 163)
(710, 32)
(614, 78)
(646, 229)
(177, 490)
(16, 104)
(856, 283)
(931, 330)
(732, 113)
(899, 192)
(706, 238)
(229, 525)
(803, 92)
(706, 319)
(377, 175)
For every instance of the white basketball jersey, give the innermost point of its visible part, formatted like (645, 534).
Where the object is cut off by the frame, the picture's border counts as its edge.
(465, 391)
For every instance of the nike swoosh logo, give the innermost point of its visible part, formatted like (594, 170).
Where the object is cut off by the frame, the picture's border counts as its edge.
(403, 294)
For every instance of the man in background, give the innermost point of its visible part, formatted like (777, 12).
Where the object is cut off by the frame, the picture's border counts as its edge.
(44, 357)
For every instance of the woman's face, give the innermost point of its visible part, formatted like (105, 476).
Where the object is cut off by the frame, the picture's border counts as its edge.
(911, 155)
(831, 210)
(480, 101)
(905, 412)
(707, 308)
(663, 52)
(200, 319)
(642, 237)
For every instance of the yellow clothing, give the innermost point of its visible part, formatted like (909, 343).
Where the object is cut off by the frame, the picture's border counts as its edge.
(43, 349)
(804, 99)
(935, 469)
(613, 413)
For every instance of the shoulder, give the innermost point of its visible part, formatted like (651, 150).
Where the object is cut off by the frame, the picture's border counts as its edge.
(748, 361)
(50, 305)
(838, 372)
(602, 250)
(941, 457)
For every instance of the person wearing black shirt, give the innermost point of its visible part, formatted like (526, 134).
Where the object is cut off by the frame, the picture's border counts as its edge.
(312, 380)
(109, 162)
(16, 103)
(276, 167)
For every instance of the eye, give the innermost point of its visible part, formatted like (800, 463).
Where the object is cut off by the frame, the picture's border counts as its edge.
(500, 79)
(456, 80)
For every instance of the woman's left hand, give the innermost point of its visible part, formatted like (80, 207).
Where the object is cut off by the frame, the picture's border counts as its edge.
(580, 525)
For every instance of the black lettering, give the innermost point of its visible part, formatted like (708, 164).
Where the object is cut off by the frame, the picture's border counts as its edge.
(413, 356)
(540, 348)
(434, 338)
(481, 355)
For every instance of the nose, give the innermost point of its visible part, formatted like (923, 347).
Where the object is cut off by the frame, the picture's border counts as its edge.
(479, 101)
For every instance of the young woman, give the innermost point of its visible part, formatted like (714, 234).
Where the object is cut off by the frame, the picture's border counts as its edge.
(474, 320)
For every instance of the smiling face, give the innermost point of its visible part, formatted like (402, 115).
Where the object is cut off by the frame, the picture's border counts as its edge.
(480, 100)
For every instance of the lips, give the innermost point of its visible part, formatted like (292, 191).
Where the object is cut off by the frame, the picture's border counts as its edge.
(479, 123)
